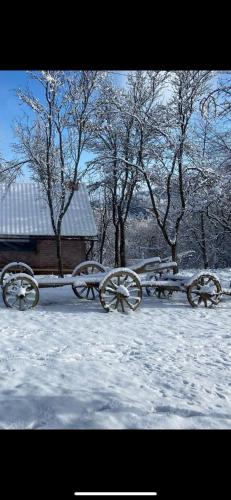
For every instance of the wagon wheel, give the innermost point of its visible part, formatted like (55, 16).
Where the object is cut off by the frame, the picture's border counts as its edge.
(20, 292)
(205, 290)
(121, 290)
(89, 291)
(161, 293)
(15, 268)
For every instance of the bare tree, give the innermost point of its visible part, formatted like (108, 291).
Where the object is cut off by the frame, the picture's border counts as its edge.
(52, 141)
(102, 212)
(113, 134)
(162, 149)
(218, 104)
(9, 170)
(117, 145)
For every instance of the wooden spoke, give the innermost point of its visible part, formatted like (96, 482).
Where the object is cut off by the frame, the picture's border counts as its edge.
(11, 293)
(133, 290)
(214, 300)
(122, 305)
(112, 284)
(113, 300)
(111, 290)
(130, 285)
(117, 303)
(129, 304)
(13, 303)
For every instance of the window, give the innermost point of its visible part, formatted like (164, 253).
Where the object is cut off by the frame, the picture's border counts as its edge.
(24, 245)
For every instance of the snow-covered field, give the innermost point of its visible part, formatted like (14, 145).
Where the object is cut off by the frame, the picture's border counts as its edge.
(68, 364)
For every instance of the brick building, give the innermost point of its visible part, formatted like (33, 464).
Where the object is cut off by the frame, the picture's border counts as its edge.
(26, 233)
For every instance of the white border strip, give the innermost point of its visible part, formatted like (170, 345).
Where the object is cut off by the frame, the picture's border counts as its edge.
(116, 493)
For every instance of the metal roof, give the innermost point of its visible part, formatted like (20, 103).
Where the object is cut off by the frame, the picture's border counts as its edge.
(23, 211)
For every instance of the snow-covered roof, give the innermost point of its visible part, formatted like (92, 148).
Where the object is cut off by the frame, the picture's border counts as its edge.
(23, 211)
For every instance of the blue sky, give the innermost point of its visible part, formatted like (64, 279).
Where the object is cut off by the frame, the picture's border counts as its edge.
(11, 108)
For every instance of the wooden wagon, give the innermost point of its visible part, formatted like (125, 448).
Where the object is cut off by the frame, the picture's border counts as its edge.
(118, 288)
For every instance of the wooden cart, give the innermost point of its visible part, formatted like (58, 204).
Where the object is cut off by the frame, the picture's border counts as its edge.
(118, 289)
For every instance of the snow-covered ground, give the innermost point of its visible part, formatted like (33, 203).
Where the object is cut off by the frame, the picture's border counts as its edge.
(68, 364)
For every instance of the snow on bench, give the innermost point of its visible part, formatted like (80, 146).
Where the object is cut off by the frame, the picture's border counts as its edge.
(137, 262)
(77, 281)
(153, 264)
(163, 284)
(165, 265)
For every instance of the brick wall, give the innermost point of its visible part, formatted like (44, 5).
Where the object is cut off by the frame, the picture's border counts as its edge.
(73, 252)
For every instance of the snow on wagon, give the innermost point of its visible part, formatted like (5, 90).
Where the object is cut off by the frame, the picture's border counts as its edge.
(118, 288)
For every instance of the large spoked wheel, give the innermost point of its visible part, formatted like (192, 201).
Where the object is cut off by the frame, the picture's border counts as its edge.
(120, 290)
(21, 292)
(89, 291)
(14, 268)
(205, 291)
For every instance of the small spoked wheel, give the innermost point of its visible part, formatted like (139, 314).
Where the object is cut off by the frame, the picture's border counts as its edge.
(14, 268)
(90, 291)
(120, 290)
(20, 292)
(205, 291)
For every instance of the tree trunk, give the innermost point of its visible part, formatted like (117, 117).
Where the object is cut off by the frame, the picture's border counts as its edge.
(117, 255)
(174, 256)
(102, 246)
(122, 245)
(203, 243)
(59, 254)
(89, 252)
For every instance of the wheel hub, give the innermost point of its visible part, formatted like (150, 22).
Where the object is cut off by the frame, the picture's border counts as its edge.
(122, 291)
(21, 292)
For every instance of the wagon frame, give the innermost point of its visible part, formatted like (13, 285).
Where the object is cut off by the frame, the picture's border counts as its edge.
(118, 289)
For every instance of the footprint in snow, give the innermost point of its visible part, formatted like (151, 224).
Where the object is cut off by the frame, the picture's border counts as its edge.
(181, 412)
